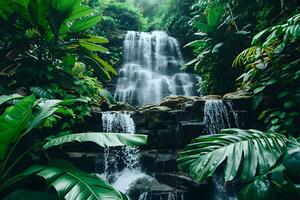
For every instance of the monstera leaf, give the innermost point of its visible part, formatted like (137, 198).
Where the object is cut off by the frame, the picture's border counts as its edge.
(101, 139)
(249, 152)
(71, 183)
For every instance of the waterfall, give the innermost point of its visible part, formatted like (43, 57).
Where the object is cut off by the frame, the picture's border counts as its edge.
(151, 69)
(220, 115)
(217, 115)
(121, 165)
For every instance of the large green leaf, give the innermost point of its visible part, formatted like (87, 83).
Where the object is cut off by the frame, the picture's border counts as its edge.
(79, 11)
(64, 6)
(104, 64)
(85, 23)
(71, 183)
(21, 7)
(14, 121)
(215, 14)
(259, 189)
(101, 139)
(249, 152)
(5, 98)
(46, 109)
(93, 47)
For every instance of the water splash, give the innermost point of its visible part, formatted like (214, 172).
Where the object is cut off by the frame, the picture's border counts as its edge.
(127, 178)
(117, 160)
(172, 195)
(151, 69)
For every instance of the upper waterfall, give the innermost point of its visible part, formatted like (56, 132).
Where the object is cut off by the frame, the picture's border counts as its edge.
(151, 69)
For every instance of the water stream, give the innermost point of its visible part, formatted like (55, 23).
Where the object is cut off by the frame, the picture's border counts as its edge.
(220, 115)
(151, 69)
(122, 166)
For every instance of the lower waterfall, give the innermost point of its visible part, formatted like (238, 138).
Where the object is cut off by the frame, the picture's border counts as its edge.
(122, 165)
(218, 115)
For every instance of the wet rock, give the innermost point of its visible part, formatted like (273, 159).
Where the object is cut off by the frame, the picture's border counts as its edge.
(177, 102)
(181, 181)
(192, 129)
(148, 188)
(193, 111)
(155, 108)
(240, 100)
(159, 161)
(121, 106)
(211, 97)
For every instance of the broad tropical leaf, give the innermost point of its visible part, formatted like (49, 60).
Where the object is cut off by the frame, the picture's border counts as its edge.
(101, 139)
(85, 23)
(5, 98)
(259, 189)
(248, 152)
(14, 121)
(46, 109)
(93, 47)
(70, 183)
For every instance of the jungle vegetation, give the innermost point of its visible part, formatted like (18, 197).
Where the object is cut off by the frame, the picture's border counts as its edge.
(57, 56)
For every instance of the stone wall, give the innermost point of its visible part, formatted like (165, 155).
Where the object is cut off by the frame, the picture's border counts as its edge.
(171, 125)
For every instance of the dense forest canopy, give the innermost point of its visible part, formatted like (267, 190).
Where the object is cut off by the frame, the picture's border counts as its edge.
(60, 61)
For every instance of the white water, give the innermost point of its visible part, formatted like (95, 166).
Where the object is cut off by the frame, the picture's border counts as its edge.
(128, 157)
(217, 115)
(170, 196)
(151, 69)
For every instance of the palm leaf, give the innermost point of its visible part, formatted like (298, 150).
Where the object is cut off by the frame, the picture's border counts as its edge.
(101, 139)
(248, 152)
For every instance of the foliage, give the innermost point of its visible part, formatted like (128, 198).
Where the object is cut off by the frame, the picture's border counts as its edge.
(121, 16)
(219, 41)
(265, 163)
(47, 49)
(272, 73)
(207, 153)
(19, 122)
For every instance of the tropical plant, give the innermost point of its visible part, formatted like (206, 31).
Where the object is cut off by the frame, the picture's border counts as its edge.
(218, 43)
(21, 121)
(264, 162)
(43, 43)
(272, 72)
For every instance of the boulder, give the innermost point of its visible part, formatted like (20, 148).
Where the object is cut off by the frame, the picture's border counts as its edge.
(191, 130)
(211, 97)
(159, 160)
(121, 106)
(240, 100)
(181, 181)
(177, 102)
(147, 188)
(155, 108)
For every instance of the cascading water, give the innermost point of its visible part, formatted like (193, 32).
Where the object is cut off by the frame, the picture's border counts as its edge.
(217, 115)
(122, 167)
(220, 115)
(151, 69)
